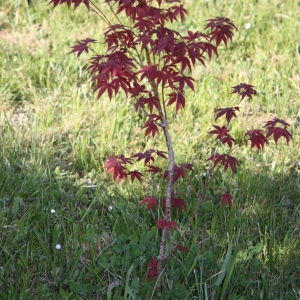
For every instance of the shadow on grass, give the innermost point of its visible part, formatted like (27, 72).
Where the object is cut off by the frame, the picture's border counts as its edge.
(105, 249)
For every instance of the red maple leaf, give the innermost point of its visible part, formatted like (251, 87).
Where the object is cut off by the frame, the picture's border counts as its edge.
(183, 80)
(152, 269)
(153, 169)
(164, 224)
(221, 29)
(146, 156)
(150, 202)
(229, 113)
(115, 166)
(161, 154)
(135, 175)
(117, 35)
(226, 199)
(257, 138)
(222, 135)
(182, 248)
(151, 101)
(176, 203)
(179, 171)
(151, 73)
(151, 125)
(178, 98)
(226, 160)
(82, 46)
(276, 131)
(209, 48)
(164, 41)
(195, 35)
(219, 131)
(175, 11)
(275, 121)
(113, 72)
(229, 140)
(179, 203)
(244, 90)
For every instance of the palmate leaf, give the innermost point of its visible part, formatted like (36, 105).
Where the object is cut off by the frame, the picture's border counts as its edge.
(257, 138)
(244, 90)
(151, 101)
(115, 166)
(182, 248)
(226, 160)
(226, 199)
(176, 203)
(153, 169)
(151, 125)
(149, 201)
(278, 131)
(229, 113)
(276, 121)
(219, 131)
(147, 156)
(82, 46)
(164, 224)
(135, 175)
(178, 98)
(118, 35)
(179, 171)
(152, 269)
(221, 29)
(222, 135)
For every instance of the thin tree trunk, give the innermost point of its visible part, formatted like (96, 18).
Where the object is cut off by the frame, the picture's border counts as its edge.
(169, 189)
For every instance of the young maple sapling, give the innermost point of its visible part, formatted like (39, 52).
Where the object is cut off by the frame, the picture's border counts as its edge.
(152, 64)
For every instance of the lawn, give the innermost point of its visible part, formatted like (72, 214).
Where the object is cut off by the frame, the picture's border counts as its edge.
(67, 231)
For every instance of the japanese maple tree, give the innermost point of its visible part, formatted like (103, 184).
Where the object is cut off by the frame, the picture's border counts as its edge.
(151, 64)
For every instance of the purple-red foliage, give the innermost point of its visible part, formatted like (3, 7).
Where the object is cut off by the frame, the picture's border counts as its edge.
(226, 160)
(257, 138)
(152, 269)
(244, 90)
(229, 113)
(150, 202)
(226, 199)
(151, 64)
(179, 171)
(82, 46)
(176, 203)
(166, 224)
(222, 135)
(278, 131)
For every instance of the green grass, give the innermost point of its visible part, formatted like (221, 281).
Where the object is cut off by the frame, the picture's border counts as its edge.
(54, 138)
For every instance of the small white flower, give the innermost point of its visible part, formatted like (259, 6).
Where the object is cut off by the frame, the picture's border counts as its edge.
(247, 26)
(52, 211)
(58, 246)
(7, 164)
(110, 208)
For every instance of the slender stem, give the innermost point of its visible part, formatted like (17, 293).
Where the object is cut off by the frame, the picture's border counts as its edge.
(99, 12)
(167, 213)
(164, 125)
